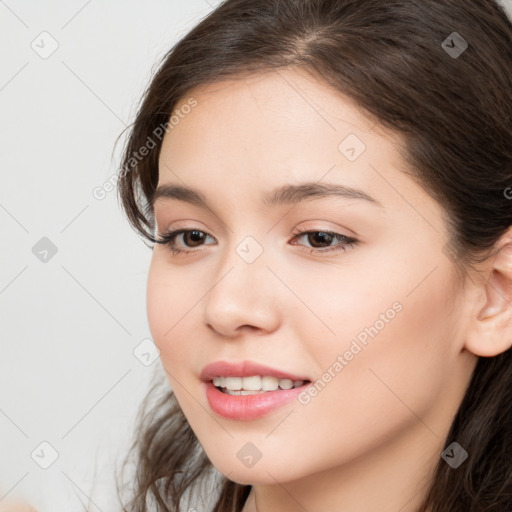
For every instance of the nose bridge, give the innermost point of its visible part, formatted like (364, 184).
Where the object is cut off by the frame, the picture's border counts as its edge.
(242, 269)
(241, 293)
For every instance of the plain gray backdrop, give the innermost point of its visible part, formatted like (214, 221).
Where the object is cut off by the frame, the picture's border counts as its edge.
(75, 346)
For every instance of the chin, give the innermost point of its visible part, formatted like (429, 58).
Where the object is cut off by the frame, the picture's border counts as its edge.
(258, 474)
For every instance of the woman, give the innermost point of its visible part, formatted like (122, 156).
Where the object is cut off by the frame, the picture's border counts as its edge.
(327, 184)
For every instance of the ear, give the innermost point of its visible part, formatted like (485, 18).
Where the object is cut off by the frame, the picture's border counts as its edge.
(490, 332)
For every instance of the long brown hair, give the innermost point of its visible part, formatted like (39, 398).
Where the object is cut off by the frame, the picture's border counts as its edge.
(448, 95)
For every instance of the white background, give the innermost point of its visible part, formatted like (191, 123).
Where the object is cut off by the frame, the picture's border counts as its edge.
(68, 374)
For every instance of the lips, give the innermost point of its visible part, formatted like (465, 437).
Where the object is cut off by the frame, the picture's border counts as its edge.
(245, 369)
(248, 407)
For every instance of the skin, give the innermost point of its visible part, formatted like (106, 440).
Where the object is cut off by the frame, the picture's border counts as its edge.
(373, 435)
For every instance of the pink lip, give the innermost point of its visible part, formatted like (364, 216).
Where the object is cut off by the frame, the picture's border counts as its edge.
(243, 369)
(248, 407)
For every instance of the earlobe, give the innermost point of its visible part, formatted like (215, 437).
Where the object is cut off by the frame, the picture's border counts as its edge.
(490, 332)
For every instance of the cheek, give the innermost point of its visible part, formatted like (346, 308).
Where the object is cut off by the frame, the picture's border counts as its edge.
(169, 306)
(371, 298)
(379, 341)
(388, 361)
(158, 306)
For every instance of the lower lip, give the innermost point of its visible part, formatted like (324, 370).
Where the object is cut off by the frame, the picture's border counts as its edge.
(249, 407)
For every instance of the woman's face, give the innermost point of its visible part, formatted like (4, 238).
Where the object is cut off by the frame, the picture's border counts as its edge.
(374, 324)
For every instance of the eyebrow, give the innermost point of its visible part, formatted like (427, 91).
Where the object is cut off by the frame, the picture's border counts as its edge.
(283, 195)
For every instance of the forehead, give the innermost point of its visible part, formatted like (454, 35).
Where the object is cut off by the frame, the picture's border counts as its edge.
(283, 113)
(259, 131)
(280, 98)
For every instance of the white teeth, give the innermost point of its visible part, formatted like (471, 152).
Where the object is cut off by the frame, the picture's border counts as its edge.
(233, 383)
(285, 383)
(254, 384)
(269, 383)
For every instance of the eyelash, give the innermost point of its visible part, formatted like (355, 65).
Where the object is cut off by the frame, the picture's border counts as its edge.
(168, 239)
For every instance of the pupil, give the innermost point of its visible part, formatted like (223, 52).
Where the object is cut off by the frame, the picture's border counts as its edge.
(195, 235)
(320, 235)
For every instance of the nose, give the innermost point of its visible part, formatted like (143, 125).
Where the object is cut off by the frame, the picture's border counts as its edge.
(243, 298)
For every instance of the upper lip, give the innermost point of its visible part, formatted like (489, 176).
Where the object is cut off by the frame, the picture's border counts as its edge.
(243, 369)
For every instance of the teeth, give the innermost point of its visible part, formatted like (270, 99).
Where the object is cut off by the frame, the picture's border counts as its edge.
(233, 383)
(254, 384)
(285, 383)
(269, 383)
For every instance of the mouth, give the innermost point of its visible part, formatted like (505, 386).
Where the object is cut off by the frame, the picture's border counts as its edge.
(250, 404)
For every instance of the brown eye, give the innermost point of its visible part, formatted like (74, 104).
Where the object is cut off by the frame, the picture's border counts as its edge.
(188, 239)
(319, 237)
(193, 238)
(322, 241)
